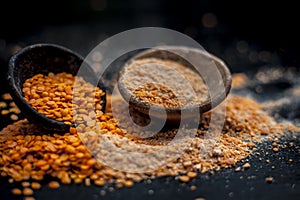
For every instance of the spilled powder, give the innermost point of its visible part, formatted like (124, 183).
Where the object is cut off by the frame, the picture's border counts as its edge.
(29, 155)
(151, 80)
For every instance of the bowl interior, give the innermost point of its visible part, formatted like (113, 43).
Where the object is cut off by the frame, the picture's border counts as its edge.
(208, 66)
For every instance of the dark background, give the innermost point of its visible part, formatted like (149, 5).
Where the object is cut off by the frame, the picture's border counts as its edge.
(248, 35)
(74, 23)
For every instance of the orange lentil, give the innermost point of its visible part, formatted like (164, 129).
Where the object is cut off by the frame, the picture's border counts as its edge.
(269, 179)
(99, 182)
(193, 188)
(4, 112)
(184, 179)
(55, 103)
(27, 191)
(191, 174)
(53, 184)
(246, 166)
(128, 183)
(14, 117)
(35, 185)
(29, 198)
(119, 185)
(87, 182)
(25, 184)
(41, 154)
(16, 191)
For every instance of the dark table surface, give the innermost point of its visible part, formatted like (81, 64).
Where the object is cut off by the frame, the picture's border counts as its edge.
(226, 184)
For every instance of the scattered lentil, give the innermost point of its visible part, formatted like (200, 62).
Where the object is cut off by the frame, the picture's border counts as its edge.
(35, 185)
(193, 188)
(87, 182)
(55, 148)
(199, 198)
(53, 184)
(25, 184)
(6, 97)
(119, 185)
(273, 167)
(4, 112)
(27, 191)
(3, 104)
(29, 198)
(14, 117)
(191, 174)
(27, 153)
(237, 169)
(16, 191)
(128, 183)
(184, 179)
(269, 179)
(250, 144)
(239, 80)
(246, 166)
(99, 182)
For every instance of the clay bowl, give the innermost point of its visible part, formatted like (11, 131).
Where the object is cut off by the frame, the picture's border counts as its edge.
(213, 71)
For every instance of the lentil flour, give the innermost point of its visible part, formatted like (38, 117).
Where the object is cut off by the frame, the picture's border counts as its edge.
(151, 80)
(28, 154)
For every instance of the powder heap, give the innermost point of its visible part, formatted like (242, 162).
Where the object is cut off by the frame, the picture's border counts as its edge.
(151, 80)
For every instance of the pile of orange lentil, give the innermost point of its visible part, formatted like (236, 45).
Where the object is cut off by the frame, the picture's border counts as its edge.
(52, 95)
(29, 154)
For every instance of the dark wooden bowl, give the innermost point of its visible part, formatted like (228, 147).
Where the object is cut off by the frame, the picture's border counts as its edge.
(181, 54)
(42, 59)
